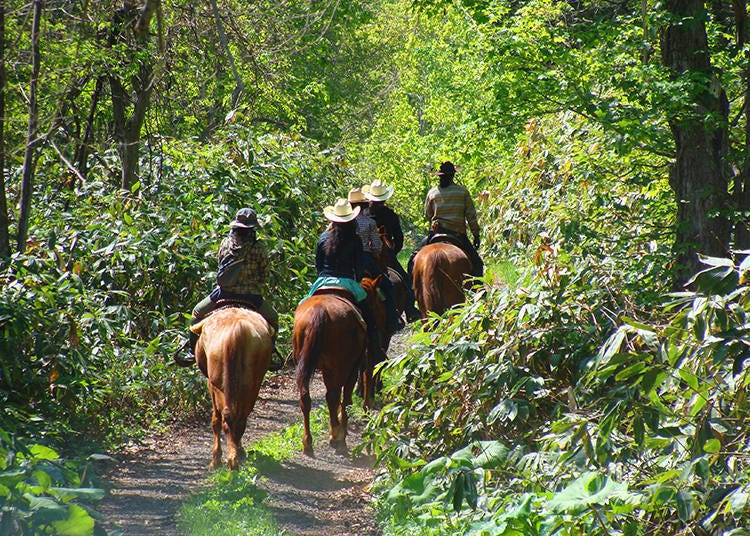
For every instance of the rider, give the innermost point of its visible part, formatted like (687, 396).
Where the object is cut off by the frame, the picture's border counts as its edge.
(339, 263)
(385, 218)
(372, 247)
(242, 274)
(449, 208)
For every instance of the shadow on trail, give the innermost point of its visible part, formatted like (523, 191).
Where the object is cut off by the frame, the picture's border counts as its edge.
(314, 496)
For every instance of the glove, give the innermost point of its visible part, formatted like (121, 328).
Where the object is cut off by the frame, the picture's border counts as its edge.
(476, 242)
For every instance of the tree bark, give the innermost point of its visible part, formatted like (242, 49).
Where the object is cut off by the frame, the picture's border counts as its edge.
(127, 129)
(698, 175)
(742, 180)
(31, 139)
(239, 85)
(4, 220)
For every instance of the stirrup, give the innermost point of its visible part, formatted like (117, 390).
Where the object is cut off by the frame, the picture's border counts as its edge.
(182, 360)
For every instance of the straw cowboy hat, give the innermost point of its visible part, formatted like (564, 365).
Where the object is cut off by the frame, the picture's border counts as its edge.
(377, 191)
(356, 196)
(341, 211)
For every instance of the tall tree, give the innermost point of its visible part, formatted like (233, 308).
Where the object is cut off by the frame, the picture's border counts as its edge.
(4, 222)
(31, 137)
(698, 175)
(130, 101)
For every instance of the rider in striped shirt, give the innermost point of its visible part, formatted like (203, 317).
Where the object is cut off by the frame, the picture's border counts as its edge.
(449, 208)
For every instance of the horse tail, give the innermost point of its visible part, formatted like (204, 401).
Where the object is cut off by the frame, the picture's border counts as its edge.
(433, 281)
(236, 344)
(312, 343)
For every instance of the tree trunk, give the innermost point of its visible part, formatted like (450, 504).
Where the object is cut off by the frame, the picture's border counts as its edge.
(82, 151)
(4, 220)
(239, 85)
(127, 129)
(742, 180)
(31, 142)
(698, 176)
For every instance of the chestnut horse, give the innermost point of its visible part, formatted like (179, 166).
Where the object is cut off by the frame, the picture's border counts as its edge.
(331, 336)
(233, 352)
(439, 272)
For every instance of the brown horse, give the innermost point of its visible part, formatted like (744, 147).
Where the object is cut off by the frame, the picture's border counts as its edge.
(233, 352)
(439, 272)
(329, 335)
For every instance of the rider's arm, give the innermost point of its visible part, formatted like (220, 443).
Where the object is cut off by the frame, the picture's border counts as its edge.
(398, 234)
(228, 271)
(471, 215)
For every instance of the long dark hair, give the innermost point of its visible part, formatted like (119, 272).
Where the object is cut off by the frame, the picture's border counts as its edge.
(340, 238)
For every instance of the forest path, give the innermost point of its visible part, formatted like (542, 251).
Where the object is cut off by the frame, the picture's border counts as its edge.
(324, 495)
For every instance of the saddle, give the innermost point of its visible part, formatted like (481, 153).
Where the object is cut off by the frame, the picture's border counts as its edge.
(253, 305)
(447, 239)
(226, 303)
(342, 294)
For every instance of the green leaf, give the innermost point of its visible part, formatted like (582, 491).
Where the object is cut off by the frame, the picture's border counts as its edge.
(684, 505)
(78, 523)
(712, 446)
(42, 452)
(458, 489)
(630, 371)
(588, 489)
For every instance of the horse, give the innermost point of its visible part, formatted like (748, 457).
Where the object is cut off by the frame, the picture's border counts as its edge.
(329, 335)
(439, 272)
(234, 352)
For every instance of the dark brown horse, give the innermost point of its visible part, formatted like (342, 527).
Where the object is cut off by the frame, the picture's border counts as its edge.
(233, 352)
(439, 272)
(329, 335)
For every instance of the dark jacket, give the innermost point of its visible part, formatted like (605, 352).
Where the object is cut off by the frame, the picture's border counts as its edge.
(385, 216)
(347, 263)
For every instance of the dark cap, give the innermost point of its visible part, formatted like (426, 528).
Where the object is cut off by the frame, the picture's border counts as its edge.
(446, 168)
(245, 219)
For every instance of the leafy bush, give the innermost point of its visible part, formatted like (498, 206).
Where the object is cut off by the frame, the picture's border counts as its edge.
(649, 436)
(42, 494)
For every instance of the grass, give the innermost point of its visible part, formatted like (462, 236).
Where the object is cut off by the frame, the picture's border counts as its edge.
(233, 503)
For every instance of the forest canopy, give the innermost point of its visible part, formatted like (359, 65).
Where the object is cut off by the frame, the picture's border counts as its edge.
(605, 143)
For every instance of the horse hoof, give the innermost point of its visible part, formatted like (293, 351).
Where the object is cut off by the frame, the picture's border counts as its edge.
(308, 451)
(339, 446)
(214, 465)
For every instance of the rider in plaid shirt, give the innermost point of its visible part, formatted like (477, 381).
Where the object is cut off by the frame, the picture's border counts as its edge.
(242, 273)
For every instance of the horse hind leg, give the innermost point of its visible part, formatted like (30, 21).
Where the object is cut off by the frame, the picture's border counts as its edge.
(305, 404)
(235, 429)
(337, 431)
(216, 426)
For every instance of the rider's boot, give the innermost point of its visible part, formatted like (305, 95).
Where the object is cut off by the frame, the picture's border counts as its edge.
(185, 355)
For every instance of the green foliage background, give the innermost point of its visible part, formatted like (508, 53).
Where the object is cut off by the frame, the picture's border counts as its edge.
(584, 397)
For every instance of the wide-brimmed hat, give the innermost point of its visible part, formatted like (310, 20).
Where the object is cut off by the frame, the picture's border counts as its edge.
(377, 191)
(356, 196)
(246, 218)
(341, 211)
(446, 168)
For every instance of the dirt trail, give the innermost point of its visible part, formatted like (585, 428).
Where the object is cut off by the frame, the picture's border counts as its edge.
(326, 495)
